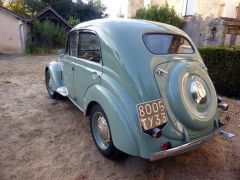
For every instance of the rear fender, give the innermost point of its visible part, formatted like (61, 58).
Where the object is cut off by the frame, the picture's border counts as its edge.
(55, 73)
(121, 130)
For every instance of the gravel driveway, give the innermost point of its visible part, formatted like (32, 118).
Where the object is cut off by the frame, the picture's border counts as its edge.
(41, 138)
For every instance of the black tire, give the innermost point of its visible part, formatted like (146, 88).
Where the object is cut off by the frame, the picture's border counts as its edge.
(110, 152)
(51, 92)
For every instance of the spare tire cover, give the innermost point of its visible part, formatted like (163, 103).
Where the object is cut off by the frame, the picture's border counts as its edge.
(193, 114)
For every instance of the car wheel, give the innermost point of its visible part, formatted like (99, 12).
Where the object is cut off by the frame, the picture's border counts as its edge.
(48, 82)
(102, 135)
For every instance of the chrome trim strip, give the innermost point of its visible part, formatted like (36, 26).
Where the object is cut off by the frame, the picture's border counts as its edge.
(183, 148)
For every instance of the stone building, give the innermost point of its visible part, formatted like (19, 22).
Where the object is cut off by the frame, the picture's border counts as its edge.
(207, 22)
(14, 28)
(13, 32)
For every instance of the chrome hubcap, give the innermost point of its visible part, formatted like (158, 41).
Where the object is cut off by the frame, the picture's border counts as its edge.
(198, 93)
(101, 131)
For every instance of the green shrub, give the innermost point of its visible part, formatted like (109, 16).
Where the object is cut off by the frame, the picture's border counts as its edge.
(29, 45)
(164, 14)
(223, 64)
(45, 36)
(73, 21)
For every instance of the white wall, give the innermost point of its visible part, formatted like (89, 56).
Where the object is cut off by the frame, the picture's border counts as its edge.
(11, 37)
(230, 9)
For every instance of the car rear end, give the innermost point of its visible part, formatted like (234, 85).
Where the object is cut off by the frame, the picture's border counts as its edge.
(187, 112)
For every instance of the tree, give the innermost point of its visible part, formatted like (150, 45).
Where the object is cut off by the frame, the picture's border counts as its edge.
(164, 14)
(63, 7)
(94, 9)
(17, 6)
(73, 21)
(66, 8)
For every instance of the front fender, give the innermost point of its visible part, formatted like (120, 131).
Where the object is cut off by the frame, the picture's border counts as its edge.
(56, 74)
(121, 130)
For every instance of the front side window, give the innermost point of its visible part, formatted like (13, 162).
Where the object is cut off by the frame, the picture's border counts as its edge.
(167, 44)
(89, 47)
(73, 38)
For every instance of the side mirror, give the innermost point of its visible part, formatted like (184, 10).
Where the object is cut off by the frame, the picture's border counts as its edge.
(61, 52)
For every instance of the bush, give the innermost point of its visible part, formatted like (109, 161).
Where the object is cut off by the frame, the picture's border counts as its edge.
(223, 64)
(164, 14)
(46, 35)
(73, 21)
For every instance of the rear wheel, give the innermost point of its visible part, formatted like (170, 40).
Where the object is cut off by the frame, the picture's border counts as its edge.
(101, 134)
(49, 86)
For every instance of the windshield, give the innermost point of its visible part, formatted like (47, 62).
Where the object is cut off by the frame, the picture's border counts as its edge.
(167, 44)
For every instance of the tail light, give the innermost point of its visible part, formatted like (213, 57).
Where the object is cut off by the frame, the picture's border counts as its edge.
(166, 146)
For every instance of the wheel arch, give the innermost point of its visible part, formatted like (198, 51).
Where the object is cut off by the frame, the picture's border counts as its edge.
(121, 130)
(55, 73)
(89, 108)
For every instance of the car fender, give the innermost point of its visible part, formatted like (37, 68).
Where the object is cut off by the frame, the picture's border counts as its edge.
(55, 73)
(121, 130)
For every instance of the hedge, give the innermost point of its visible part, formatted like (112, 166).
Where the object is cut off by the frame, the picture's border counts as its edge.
(224, 69)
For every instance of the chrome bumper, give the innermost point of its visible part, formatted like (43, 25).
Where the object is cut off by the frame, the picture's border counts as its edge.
(183, 148)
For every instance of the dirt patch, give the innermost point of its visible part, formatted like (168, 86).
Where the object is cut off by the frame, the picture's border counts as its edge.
(41, 138)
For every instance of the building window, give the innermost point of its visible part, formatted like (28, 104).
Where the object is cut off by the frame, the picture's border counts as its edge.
(189, 7)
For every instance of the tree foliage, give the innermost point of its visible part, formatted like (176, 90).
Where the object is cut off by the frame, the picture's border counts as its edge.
(164, 14)
(17, 6)
(73, 21)
(66, 8)
(46, 35)
(94, 9)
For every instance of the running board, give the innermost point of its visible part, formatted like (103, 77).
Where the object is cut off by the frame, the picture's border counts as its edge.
(62, 91)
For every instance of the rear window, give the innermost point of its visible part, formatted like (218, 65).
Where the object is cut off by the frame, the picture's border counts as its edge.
(167, 44)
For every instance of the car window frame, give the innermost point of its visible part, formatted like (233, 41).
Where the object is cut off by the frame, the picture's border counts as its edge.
(168, 53)
(68, 43)
(66, 46)
(79, 45)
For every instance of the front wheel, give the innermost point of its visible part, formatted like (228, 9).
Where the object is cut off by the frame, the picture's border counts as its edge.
(102, 135)
(49, 86)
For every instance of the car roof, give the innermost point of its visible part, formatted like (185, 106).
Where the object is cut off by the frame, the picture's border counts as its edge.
(120, 24)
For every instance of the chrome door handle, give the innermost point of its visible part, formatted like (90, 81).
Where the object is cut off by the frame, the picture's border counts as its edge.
(95, 75)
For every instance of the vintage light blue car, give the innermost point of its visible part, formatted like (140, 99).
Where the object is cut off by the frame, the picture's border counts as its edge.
(143, 85)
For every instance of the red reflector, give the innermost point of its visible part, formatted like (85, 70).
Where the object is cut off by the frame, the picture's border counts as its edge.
(164, 146)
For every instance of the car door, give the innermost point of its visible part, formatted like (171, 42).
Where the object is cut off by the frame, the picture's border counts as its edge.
(88, 65)
(68, 63)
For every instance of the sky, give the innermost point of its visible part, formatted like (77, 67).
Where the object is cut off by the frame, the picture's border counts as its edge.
(114, 6)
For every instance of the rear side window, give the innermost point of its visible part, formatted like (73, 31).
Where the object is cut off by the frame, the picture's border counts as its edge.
(167, 44)
(89, 47)
(73, 40)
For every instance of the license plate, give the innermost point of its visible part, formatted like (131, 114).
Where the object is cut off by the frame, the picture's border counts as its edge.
(152, 114)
